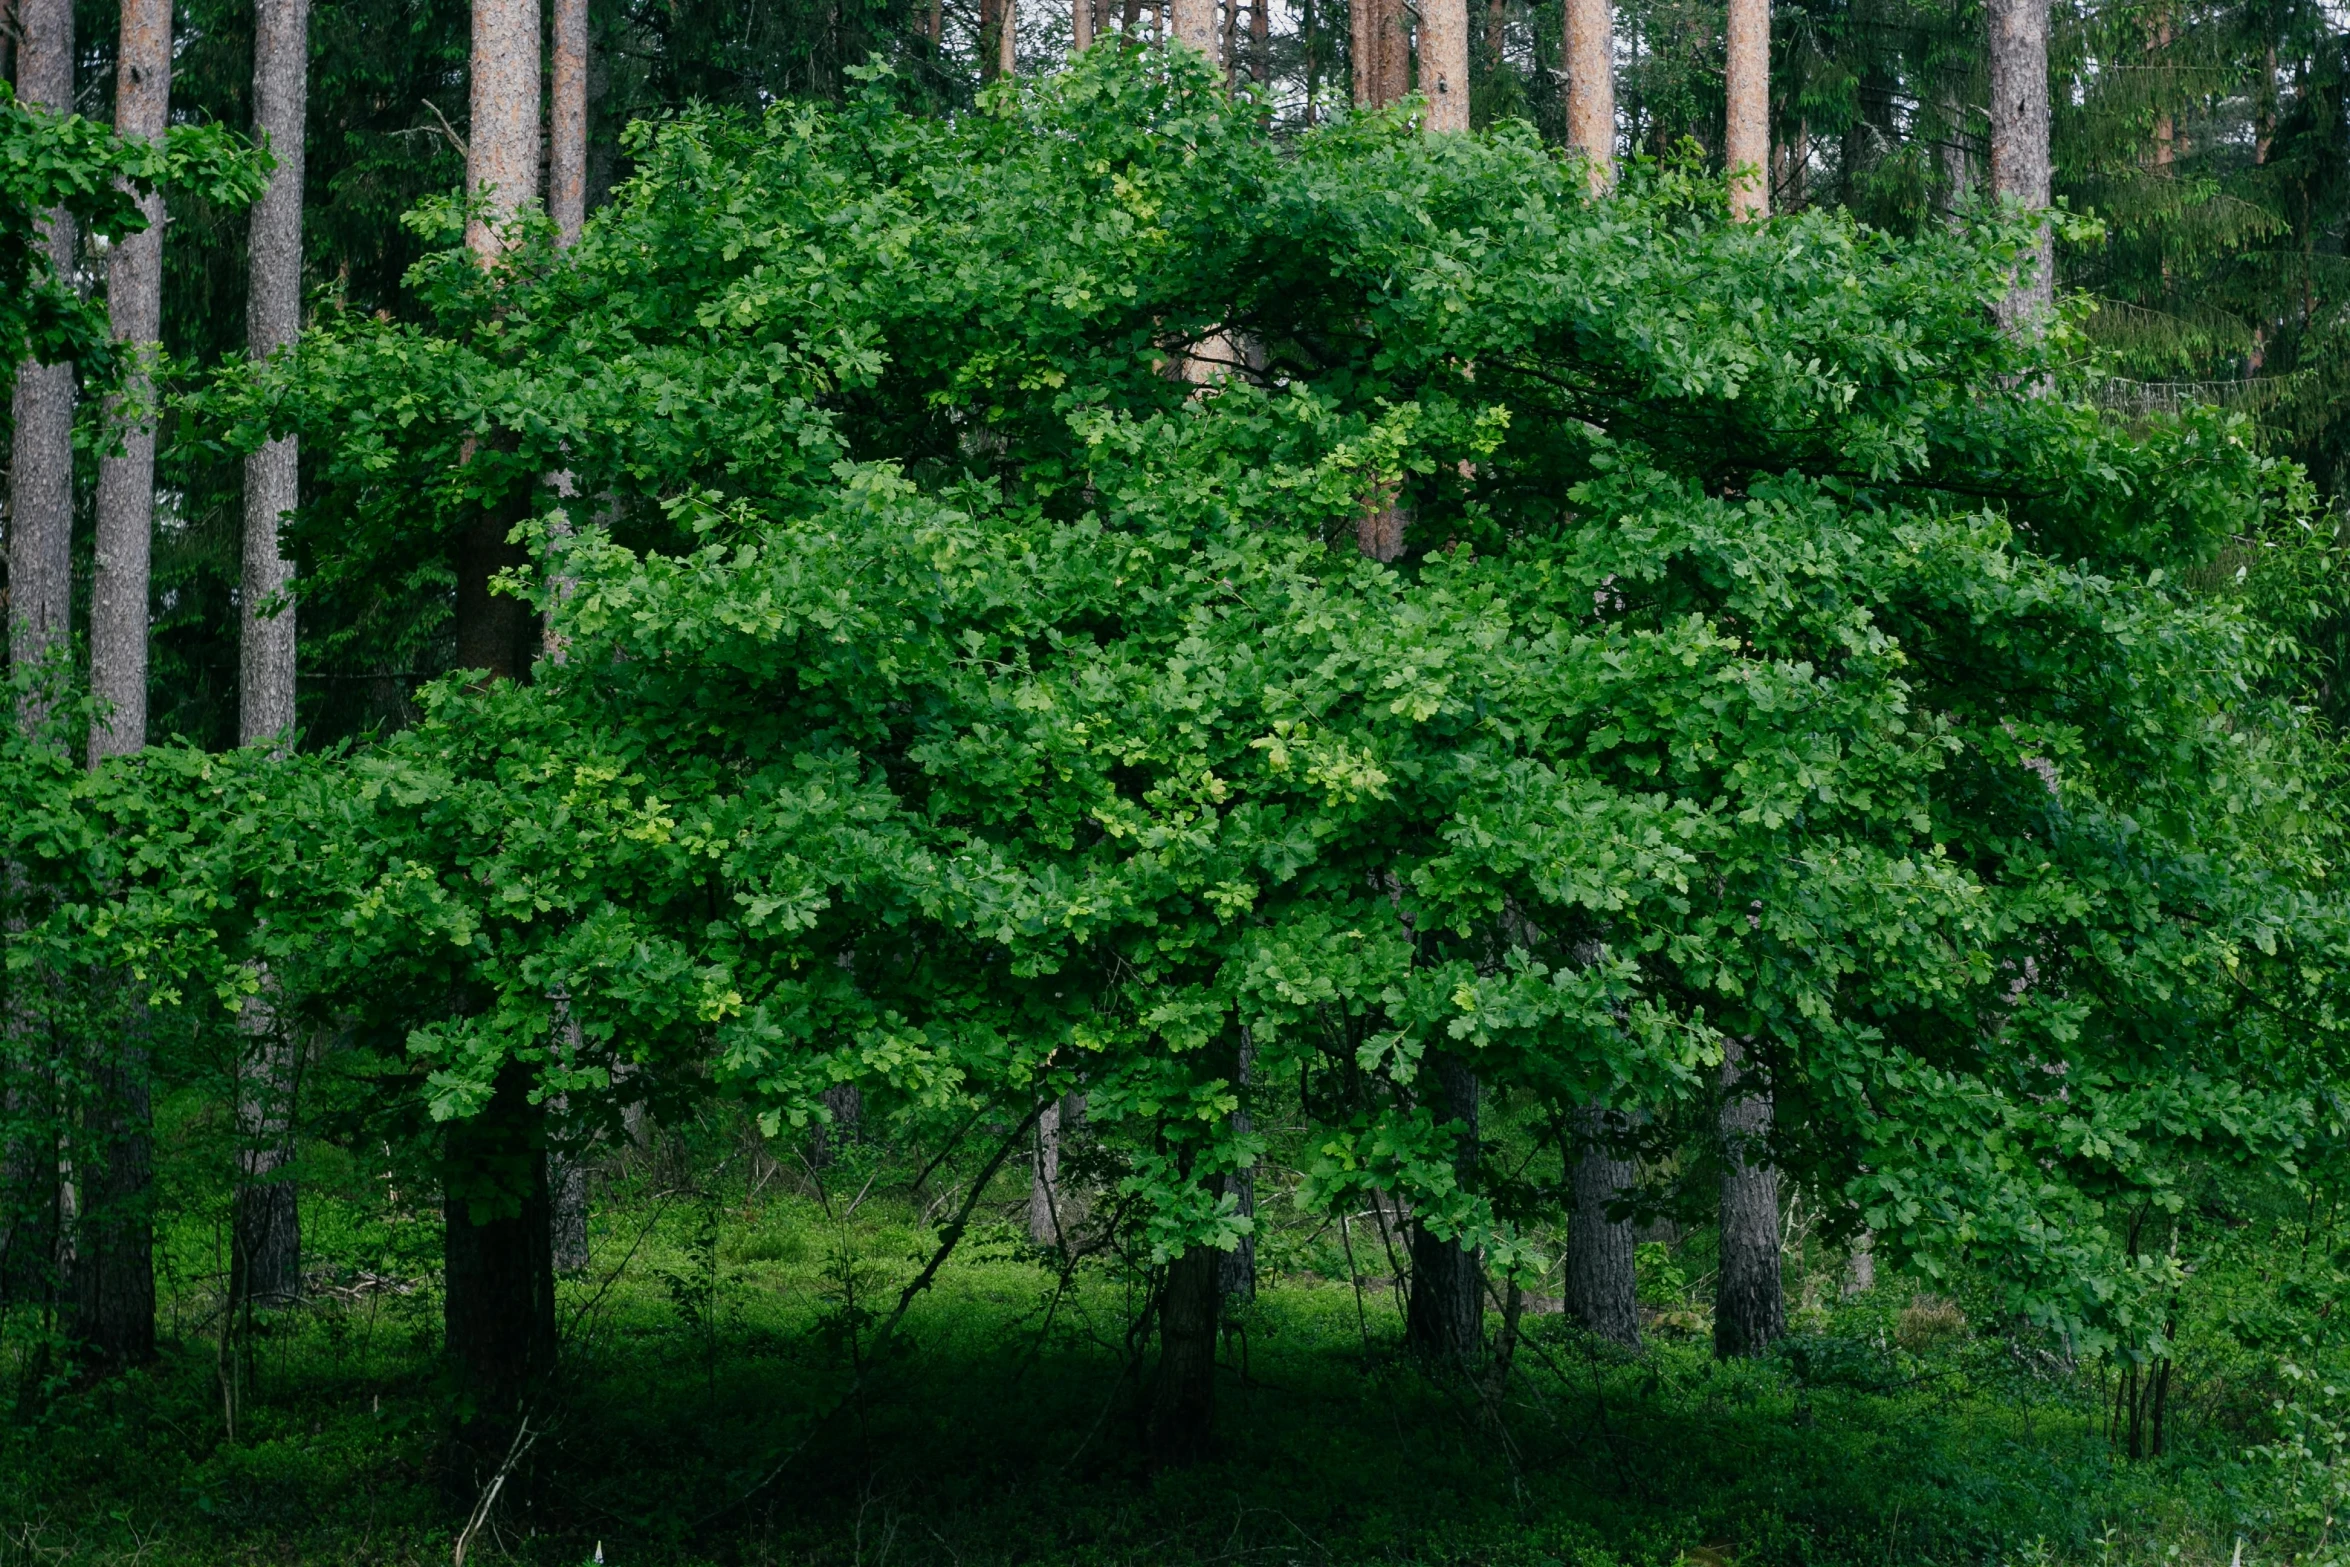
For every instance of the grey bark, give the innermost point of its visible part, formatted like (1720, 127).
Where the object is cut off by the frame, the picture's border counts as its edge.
(1602, 1288)
(1044, 1180)
(111, 1298)
(1183, 1401)
(1445, 1316)
(126, 483)
(1860, 1265)
(1746, 131)
(265, 1230)
(567, 1206)
(1591, 86)
(567, 132)
(1444, 63)
(1750, 1309)
(1236, 1274)
(502, 141)
(273, 318)
(2019, 146)
(40, 502)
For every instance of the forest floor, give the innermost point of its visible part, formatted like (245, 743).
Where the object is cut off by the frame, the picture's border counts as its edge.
(721, 1403)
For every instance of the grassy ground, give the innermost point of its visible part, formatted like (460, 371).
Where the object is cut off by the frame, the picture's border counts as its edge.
(702, 1418)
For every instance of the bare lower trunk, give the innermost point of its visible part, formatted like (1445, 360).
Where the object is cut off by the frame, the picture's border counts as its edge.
(112, 1296)
(1444, 63)
(40, 499)
(567, 116)
(1591, 86)
(499, 1300)
(1080, 26)
(1750, 1310)
(273, 318)
(1602, 1288)
(1746, 132)
(1445, 1317)
(2019, 146)
(1044, 1217)
(502, 143)
(1860, 1265)
(1183, 1401)
(265, 1255)
(1394, 40)
(1236, 1275)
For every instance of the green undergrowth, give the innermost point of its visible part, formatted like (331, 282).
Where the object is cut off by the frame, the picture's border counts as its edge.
(726, 1400)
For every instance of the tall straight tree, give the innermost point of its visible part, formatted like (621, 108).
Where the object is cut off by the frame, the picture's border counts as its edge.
(2018, 47)
(40, 500)
(1444, 63)
(266, 1247)
(1746, 90)
(499, 1301)
(40, 615)
(1590, 47)
(113, 1274)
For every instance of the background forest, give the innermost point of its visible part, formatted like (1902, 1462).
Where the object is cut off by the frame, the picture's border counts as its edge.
(1038, 783)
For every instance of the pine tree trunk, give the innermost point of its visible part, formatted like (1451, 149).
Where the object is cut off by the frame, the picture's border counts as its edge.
(1394, 40)
(1746, 132)
(567, 122)
(1591, 86)
(1750, 1309)
(273, 318)
(126, 483)
(2019, 145)
(1194, 22)
(40, 502)
(1445, 1317)
(502, 142)
(1260, 43)
(499, 1281)
(1236, 1274)
(1444, 63)
(1602, 1288)
(112, 1297)
(1183, 1403)
(1080, 26)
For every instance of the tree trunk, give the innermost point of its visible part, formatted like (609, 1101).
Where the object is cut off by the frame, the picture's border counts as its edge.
(1080, 26)
(265, 1239)
(1194, 22)
(1860, 1265)
(1750, 1311)
(112, 1298)
(1183, 1404)
(30, 1220)
(1044, 1216)
(567, 128)
(1260, 43)
(1445, 1317)
(1236, 1274)
(273, 318)
(1746, 131)
(265, 1248)
(499, 1301)
(502, 142)
(1444, 63)
(126, 483)
(2019, 146)
(1602, 1289)
(40, 502)
(1394, 40)
(1591, 86)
